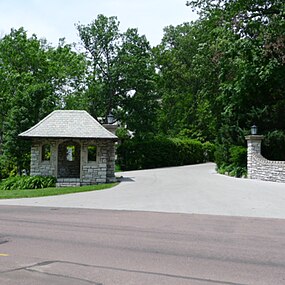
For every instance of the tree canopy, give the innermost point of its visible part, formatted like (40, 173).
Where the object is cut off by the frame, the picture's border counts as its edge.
(208, 80)
(121, 74)
(35, 79)
(230, 64)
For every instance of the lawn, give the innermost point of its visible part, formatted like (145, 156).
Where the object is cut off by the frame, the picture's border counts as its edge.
(29, 193)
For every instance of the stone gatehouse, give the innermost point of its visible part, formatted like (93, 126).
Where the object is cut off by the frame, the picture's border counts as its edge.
(73, 147)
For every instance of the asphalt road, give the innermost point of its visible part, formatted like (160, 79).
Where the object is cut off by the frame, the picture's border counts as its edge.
(82, 246)
(189, 189)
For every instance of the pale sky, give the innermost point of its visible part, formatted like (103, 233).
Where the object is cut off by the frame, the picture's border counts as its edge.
(54, 19)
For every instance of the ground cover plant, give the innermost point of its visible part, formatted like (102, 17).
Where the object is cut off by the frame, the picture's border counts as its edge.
(37, 186)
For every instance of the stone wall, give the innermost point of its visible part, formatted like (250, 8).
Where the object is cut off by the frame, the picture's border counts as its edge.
(259, 167)
(39, 166)
(90, 172)
(111, 155)
(99, 171)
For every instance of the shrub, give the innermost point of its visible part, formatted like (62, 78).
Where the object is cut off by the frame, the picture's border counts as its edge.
(238, 156)
(208, 151)
(221, 155)
(122, 133)
(9, 183)
(233, 170)
(162, 152)
(188, 151)
(231, 161)
(7, 168)
(27, 182)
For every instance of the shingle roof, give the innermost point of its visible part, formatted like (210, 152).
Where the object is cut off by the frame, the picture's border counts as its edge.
(68, 124)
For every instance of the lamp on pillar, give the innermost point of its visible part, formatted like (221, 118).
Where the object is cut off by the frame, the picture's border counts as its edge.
(253, 130)
(110, 119)
(111, 126)
(253, 149)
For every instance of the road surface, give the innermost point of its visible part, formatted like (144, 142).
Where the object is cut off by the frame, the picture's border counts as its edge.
(64, 246)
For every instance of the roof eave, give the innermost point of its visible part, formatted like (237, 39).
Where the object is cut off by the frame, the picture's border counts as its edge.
(67, 138)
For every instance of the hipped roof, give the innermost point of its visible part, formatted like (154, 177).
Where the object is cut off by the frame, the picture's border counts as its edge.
(68, 124)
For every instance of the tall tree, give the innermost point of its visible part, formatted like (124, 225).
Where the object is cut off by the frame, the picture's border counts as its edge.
(35, 78)
(249, 43)
(100, 41)
(185, 109)
(121, 74)
(136, 83)
(225, 71)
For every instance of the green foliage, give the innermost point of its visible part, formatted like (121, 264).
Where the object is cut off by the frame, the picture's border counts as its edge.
(273, 145)
(221, 155)
(238, 156)
(183, 105)
(121, 74)
(162, 152)
(208, 80)
(117, 168)
(100, 41)
(35, 79)
(209, 151)
(231, 161)
(232, 170)
(27, 182)
(7, 168)
(122, 133)
(223, 73)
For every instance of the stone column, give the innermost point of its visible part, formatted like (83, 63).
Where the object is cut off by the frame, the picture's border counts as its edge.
(35, 159)
(111, 128)
(111, 163)
(253, 147)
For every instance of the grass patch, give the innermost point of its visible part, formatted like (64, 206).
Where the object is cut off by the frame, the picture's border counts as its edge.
(52, 191)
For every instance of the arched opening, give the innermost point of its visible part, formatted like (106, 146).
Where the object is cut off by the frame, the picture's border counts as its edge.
(46, 152)
(69, 160)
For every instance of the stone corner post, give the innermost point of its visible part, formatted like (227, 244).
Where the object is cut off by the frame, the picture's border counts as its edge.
(253, 147)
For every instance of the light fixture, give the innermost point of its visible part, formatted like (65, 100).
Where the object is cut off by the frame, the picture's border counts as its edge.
(110, 119)
(253, 130)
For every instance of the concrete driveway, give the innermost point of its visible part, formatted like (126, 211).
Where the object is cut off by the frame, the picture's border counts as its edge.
(188, 189)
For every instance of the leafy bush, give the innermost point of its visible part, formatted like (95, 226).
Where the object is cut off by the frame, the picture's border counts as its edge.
(238, 156)
(221, 155)
(208, 151)
(122, 133)
(233, 170)
(231, 161)
(162, 152)
(27, 182)
(7, 168)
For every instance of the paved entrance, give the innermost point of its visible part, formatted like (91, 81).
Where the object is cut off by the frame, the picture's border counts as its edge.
(188, 189)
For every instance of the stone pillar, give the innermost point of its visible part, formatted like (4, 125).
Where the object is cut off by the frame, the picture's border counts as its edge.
(35, 159)
(111, 163)
(253, 147)
(111, 128)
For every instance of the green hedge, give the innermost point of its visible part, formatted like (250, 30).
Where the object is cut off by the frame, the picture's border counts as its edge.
(162, 152)
(27, 182)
